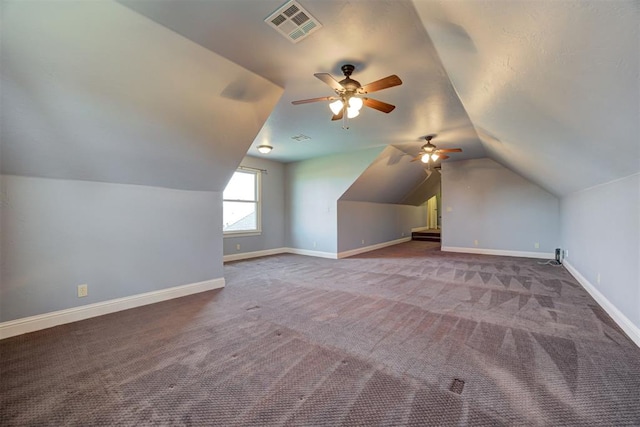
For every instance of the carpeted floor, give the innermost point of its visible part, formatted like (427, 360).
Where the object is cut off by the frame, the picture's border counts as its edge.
(406, 335)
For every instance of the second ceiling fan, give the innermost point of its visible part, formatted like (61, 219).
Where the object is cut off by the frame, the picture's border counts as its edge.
(350, 94)
(429, 153)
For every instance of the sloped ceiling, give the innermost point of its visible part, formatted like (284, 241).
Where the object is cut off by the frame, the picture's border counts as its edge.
(98, 90)
(379, 37)
(426, 190)
(549, 88)
(388, 173)
(552, 87)
(94, 91)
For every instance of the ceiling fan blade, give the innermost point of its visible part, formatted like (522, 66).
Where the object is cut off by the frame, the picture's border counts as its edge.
(338, 116)
(378, 105)
(443, 157)
(328, 79)
(385, 83)
(450, 150)
(306, 101)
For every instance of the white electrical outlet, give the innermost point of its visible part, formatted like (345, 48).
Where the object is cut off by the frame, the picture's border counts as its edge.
(475, 242)
(238, 247)
(598, 278)
(83, 291)
(403, 234)
(536, 245)
(314, 244)
(566, 253)
(363, 241)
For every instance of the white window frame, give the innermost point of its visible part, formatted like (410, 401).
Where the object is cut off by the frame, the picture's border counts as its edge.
(258, 202)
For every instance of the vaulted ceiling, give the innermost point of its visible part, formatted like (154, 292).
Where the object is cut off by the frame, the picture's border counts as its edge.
(379, 37)
(552, 88)
(549, 89)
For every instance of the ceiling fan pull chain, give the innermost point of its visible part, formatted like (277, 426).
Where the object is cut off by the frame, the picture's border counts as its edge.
(345, 119)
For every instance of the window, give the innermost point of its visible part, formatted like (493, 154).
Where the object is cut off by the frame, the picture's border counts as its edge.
(241, 203)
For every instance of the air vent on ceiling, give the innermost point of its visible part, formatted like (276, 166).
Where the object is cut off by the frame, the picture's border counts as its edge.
(301, 137)
(293, 21)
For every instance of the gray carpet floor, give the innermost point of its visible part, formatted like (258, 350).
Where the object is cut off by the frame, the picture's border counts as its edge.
(406, 335)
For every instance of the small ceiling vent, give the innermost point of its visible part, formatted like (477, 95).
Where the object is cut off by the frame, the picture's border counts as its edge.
(293, 21)
(301, 137)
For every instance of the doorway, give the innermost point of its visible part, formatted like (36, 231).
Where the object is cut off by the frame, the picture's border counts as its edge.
(432, 213)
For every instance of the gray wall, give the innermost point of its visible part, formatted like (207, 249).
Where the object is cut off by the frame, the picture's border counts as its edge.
(273, 210)
(130, 132)
(601, 230)
(484, 201)
(376, 223)
(119, 239)
(313, 188)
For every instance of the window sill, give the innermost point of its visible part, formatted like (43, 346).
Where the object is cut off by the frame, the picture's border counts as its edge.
(226, 234)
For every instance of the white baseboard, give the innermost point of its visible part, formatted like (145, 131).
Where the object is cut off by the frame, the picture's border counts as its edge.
(499, 252)
(307, 252)
(420, 228)
(623, 321)
(276, 251)
(364, 249)
(254, 254)
(48, 320)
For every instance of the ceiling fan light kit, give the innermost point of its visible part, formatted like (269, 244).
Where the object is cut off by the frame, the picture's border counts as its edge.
(336, 106)
(352, 112)
(356, 103)
(426, 157)
(350, 93)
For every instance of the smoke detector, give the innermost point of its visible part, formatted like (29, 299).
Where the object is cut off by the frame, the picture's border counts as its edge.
(293, 22)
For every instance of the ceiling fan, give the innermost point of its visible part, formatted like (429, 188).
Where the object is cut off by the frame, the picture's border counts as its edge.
(429, 153)
(350, 93)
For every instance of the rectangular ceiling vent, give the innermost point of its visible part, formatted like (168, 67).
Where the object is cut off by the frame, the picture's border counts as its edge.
(301, 137)
(293, 21)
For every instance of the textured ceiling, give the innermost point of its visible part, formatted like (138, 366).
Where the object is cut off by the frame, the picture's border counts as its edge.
(379, 37)
(100, 90)
(93, 91)
(551, 88)
(382, 180)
